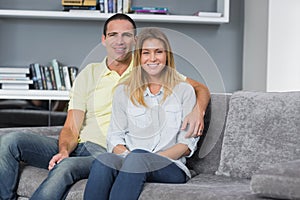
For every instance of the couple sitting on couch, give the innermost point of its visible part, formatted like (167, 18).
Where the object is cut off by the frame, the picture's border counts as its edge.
(150, 103)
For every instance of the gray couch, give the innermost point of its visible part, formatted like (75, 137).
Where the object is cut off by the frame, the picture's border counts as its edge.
(251, 150)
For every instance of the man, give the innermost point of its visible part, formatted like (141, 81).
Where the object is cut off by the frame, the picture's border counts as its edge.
(83, 135)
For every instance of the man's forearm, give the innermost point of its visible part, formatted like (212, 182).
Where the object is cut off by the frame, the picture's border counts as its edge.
(67, 141)
(202, 95)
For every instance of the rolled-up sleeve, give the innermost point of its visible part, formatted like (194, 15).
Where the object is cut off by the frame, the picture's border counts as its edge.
(188, 102)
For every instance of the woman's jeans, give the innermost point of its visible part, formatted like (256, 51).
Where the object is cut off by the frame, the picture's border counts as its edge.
(37, 150)
(114, 177)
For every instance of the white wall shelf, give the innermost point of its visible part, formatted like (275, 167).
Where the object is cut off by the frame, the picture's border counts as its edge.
(34, 94)
(222, 7)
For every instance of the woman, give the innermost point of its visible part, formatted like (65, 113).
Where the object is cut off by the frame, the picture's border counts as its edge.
(144, 141)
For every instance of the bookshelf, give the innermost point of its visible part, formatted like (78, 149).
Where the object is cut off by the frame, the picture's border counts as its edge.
(222, 7)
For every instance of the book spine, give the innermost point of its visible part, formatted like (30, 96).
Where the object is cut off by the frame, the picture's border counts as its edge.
(53, 80)
(110, 6)
(48, 77)
(126, 6)
(73, 73)
(119, 6)
(38, 76)
(55, 65)
(43, 77)
(67, 77)
(12, 86)
(105, 6)
(62, 78)
(101, 5)
(33, 77)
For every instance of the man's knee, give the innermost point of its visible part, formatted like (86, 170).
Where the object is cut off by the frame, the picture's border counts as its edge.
(11, 141)
(73, 167)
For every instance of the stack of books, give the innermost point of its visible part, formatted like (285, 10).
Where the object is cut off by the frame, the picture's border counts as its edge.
(52, 77)
(15, 77)
(102, 6)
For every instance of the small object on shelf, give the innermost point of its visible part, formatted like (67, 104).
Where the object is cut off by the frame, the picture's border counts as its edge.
(208, 14)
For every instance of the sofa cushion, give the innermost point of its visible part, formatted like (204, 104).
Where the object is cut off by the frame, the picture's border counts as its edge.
(261, 129)
(201, 187)
(278, 181)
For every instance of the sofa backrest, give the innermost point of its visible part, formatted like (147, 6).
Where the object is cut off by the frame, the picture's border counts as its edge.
(207, 157)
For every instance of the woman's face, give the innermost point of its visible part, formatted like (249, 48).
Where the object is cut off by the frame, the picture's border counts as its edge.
(153, 58)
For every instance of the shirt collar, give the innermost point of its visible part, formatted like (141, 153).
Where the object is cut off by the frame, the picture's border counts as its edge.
(148, 93)
(107, 71)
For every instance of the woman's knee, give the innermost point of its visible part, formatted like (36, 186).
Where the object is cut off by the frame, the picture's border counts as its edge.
(109, 160)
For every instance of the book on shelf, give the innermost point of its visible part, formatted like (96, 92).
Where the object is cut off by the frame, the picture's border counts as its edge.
(55, 66)
(73, 71)
(52, 78)
(43, 76)
(12, 75)
(79, 8)
(101, 6)
(62, 79)
(126, 6)
(149, 10)
(67, 77)
(15, 83)
(24, 80)
(14, 69)
(14, 86)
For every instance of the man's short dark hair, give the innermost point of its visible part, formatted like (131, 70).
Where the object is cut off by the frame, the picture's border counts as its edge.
(119, 16)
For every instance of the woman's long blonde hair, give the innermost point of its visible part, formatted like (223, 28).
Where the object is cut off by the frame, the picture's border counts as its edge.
(137, 82)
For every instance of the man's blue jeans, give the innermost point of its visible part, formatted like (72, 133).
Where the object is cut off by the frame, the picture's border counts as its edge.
(113, 177)
(37, 150)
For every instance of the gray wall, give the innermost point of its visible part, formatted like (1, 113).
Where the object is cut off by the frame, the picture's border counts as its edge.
(24, 41)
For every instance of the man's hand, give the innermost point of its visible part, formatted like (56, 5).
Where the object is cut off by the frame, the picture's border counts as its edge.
(196, 123)
(57, 159)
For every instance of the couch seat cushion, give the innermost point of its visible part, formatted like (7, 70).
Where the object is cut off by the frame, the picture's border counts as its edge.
(278, 181)
(261, 129)
(201, 187)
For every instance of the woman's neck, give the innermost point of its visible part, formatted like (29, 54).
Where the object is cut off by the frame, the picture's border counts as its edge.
(154, 88)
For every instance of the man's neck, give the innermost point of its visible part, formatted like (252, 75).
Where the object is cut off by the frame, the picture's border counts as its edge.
(118, 66)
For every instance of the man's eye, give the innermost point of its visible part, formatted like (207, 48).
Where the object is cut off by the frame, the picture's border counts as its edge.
(128, 34)
(111, 34)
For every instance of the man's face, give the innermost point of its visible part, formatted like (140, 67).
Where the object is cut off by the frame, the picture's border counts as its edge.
(119, 40)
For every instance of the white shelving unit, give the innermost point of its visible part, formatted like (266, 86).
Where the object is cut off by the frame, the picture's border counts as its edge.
(222, 7)
(34, 94)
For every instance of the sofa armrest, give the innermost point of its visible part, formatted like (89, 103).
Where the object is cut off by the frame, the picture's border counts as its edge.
(52, 131)
(278, 181)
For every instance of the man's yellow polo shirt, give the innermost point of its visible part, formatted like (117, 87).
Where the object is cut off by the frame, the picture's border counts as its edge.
(92, 93)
